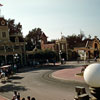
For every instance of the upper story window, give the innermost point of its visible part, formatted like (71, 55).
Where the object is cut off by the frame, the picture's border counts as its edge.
(4, 34)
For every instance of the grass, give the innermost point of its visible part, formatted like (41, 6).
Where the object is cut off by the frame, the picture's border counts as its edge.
(79, 74)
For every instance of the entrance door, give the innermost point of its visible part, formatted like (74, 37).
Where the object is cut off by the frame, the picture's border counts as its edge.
(96, 53)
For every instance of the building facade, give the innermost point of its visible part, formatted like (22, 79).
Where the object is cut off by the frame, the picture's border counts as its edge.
(12, 45)
(61, 47)
(90, 50)
(45, 45)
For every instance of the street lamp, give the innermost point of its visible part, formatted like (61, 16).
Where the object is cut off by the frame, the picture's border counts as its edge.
(92, 78)
(16, 58)
(60, 58)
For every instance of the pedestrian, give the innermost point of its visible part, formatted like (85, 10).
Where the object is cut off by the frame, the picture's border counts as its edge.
(15, 95)
(15, 68)
(18, 96)
(32, 98)
(23, 98)
(95, 59)
(28, 98)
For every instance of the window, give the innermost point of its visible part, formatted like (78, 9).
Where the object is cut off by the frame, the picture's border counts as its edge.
(62, 47)
(4, 34)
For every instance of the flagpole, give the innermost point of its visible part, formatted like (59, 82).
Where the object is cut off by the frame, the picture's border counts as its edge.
(0, 12)
(0, 9)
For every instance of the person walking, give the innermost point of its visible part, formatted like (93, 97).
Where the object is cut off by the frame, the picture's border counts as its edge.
(32, 98)
(28, 98)
(23, 98)
(15, 95)
(18, 96)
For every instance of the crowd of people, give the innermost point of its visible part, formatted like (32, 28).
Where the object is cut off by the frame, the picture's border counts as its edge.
(16, 96)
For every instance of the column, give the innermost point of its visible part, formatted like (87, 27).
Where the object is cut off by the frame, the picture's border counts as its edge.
(5, 54)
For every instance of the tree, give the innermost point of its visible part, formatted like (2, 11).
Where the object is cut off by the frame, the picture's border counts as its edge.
(50, 55)
(18, 28)
(38, 55)
(33, 38)
(42, 56)
(75, 40)
(14, 28)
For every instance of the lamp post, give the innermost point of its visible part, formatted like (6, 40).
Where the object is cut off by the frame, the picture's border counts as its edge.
(15, 62)
(92, 78)
(16, 58)
(60, 52)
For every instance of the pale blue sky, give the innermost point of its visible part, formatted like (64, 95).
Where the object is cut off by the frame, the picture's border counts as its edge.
(55, 16)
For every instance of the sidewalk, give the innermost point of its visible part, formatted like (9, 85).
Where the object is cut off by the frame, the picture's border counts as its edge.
(69, 74)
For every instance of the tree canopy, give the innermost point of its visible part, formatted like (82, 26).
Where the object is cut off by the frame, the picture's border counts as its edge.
(33, 38)
(43, 55)
(14, 28)
(75, 40)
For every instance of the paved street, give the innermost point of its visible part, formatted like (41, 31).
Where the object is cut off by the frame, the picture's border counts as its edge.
(40, 84)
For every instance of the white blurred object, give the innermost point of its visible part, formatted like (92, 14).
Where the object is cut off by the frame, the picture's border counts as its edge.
(92, 75)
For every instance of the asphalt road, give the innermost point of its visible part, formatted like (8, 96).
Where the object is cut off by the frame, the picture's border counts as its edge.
(39, 84)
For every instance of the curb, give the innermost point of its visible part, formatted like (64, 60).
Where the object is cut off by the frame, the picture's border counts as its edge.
(66, 79)
(63, 79)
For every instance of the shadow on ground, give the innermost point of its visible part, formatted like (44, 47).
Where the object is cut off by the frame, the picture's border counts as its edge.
(16, 77)
(45, 67)
(11, 87)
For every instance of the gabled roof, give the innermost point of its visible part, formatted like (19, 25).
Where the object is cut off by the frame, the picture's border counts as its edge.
(43, 35)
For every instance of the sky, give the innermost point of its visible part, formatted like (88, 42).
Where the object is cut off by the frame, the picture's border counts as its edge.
(55, 16)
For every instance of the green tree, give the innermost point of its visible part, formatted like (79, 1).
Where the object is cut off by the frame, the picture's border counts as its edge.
(33, 38)
(38, 55)
(49, 54)
(42, 56)
(14, 28)
(75, 40)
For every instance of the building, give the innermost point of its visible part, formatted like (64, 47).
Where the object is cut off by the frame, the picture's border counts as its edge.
(89, 49)
(12, 45)
(61, 47)
(45, 45)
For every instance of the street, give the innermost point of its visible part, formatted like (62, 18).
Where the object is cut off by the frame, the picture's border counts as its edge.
(39, 84)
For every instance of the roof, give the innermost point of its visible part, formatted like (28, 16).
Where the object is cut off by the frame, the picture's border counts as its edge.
(6, 66)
